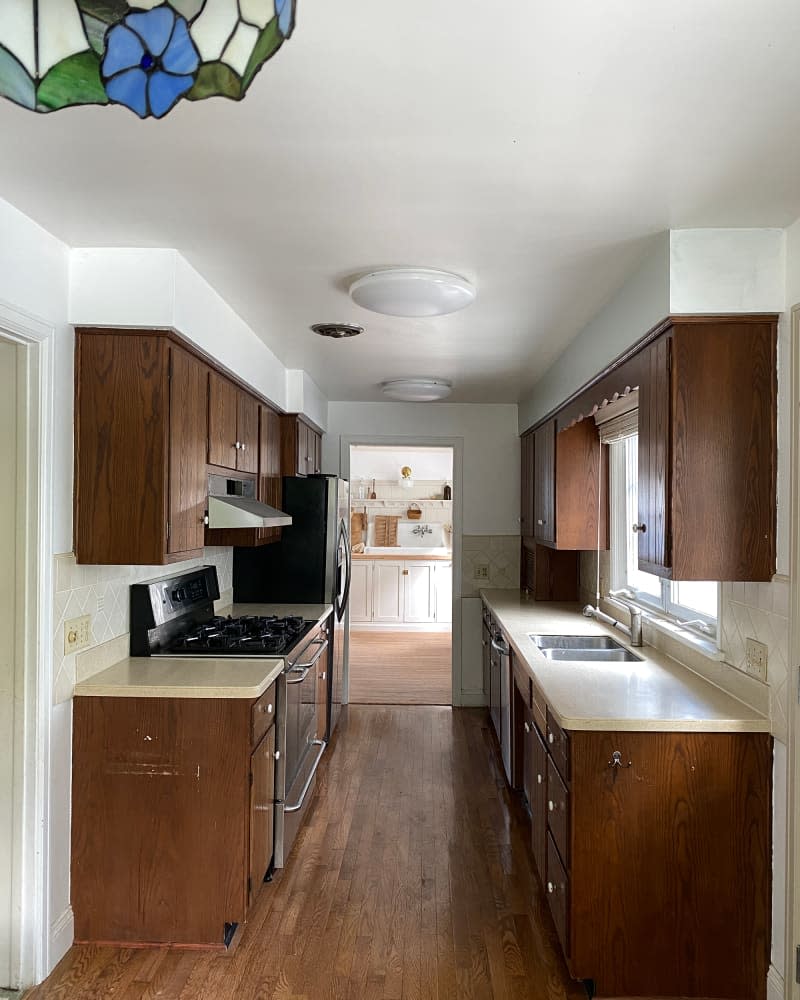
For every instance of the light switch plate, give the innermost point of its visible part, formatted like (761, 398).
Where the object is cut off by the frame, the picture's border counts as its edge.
(756, 658)
(482, 571)
(77, 634)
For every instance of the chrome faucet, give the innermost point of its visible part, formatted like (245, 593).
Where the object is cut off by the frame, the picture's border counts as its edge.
(634, 630)
(422, 530)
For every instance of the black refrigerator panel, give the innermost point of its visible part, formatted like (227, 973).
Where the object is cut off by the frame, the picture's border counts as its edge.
(301, 567)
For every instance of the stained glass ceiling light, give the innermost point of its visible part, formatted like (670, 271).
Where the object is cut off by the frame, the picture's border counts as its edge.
(146, 56)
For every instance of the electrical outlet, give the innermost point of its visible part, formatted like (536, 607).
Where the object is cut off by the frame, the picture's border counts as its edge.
(756, 658)
(482, 571)
(77, 634)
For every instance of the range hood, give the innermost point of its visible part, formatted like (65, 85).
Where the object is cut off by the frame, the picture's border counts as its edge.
(244, 512)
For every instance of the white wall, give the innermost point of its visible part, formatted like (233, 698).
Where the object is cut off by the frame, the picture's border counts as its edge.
(370, 462)
(491, 450)
(303, 395)
(639, 304)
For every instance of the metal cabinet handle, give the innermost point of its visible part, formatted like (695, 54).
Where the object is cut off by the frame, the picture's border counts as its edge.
(505, 650)
(551, 888)
(303, 671)
(277, 755)
(551, 805)
(541, 521)
(527, 727)
(640, 528)
(323, 675)
(320, 651)
(237, 445)
(538, 779)
(551, 738)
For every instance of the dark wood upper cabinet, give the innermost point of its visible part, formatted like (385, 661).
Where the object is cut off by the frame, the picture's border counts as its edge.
(232, 426)
(527, 485)
(301, 447)
(570, 487)
(137, 499)
(707, 451)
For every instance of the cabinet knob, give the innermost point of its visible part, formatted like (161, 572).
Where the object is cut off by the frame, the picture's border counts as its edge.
(640, 528)
(538, 779)
(551, 805)
(551, 888)
(616, 760)
(322, 675)
(541, 521)
(267, 709)
(277, 755)
(551, 738)
(527, 727)
(243, 446)
(237, 445)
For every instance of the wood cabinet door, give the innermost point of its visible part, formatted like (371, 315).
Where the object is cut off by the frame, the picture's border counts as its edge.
(188, 434)
(262, 812)
(527, 481)
(544, 528)
(247, 432)
(420, 596)
(581, 488)
(270, 486)
(323, 667)
(528, 759)
(317, 452)
(387, 591)
(304, 463)
(538, 801)
(361, 591)
(223, 413)
(655, 461)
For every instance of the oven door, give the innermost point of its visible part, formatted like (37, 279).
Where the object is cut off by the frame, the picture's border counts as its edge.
(301, 707)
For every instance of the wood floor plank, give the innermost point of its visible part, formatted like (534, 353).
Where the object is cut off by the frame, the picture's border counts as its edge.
(400, 668)
(411, 880)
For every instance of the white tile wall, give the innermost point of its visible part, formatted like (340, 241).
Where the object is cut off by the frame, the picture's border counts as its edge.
(499, 552)
(102, 592)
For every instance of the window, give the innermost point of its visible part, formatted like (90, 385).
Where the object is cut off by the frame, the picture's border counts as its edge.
(693, 603)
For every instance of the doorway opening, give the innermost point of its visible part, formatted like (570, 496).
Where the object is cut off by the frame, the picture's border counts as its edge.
(401, 595)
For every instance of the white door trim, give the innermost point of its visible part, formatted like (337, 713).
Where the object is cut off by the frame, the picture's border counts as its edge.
(457, 444)
(31, 937)
(793, 684)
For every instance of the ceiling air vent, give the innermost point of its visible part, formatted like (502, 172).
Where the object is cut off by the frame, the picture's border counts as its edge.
(337, 330)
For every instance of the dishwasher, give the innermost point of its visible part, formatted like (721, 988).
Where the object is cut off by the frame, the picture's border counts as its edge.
(500, 696)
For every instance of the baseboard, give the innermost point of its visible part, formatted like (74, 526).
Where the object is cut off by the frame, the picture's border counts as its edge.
(473, 699)
(776, 985)
(62, 934)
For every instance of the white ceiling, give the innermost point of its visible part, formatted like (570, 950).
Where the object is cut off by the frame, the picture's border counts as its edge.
(532, 146)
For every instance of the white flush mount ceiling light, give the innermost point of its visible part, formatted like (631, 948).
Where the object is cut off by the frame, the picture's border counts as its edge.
(412, 291)
(417, 390)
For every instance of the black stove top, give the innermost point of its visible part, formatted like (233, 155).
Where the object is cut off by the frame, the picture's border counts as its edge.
(246, 636)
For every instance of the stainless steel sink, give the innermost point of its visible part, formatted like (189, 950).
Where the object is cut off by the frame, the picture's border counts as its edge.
(570, 648)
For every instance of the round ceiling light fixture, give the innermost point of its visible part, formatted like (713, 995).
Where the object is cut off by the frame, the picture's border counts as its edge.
(417, 390)
(338, 331)
(412, 291)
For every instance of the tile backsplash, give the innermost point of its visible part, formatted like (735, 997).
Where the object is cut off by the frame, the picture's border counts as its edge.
(102, 592)
(499, 554)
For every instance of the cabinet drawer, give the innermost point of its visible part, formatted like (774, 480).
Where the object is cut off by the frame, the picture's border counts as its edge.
(558, 745)
(262, 715)
(558, 811)
(523, 681)
(557, 886)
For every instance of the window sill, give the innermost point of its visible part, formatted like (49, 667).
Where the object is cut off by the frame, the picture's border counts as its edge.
(705, 645)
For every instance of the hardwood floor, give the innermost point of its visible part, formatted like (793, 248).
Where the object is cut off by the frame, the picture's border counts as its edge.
(411, 879)
(400, 668)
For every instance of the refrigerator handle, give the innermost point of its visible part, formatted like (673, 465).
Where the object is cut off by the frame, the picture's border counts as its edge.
(348, 563)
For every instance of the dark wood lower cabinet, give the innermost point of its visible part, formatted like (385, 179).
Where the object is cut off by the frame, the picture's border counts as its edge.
(657, 869)
(172, 814)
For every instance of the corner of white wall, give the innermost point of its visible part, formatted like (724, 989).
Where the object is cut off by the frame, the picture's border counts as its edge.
(122, 286)
(303, 395)
(727, 270)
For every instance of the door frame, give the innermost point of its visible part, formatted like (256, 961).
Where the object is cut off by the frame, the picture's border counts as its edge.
(792, 803)
(457, 444)
(30, 934)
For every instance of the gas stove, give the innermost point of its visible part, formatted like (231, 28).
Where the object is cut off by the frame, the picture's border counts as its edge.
(245, 636)
(174, 616)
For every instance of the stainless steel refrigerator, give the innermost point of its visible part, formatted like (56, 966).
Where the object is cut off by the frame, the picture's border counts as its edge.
(310, 565)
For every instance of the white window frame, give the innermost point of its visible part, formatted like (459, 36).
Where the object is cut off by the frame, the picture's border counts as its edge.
(622, 537)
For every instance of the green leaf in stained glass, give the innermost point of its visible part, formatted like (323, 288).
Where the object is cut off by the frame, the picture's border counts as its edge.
(107, 11)
(269, 41)
(15, 81)
(75, 80)
(215, 80)
(95, 32)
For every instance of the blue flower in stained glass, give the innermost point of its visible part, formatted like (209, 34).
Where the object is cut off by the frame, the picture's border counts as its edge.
(150, 61)
(284, 11)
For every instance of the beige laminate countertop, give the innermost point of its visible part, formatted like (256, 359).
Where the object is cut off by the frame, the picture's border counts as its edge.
(657, 694)
(405, 555)
(194, 676)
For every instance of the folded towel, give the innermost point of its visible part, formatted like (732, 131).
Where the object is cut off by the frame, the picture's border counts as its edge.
(386, 530)
(358, 525)
(358, 547)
